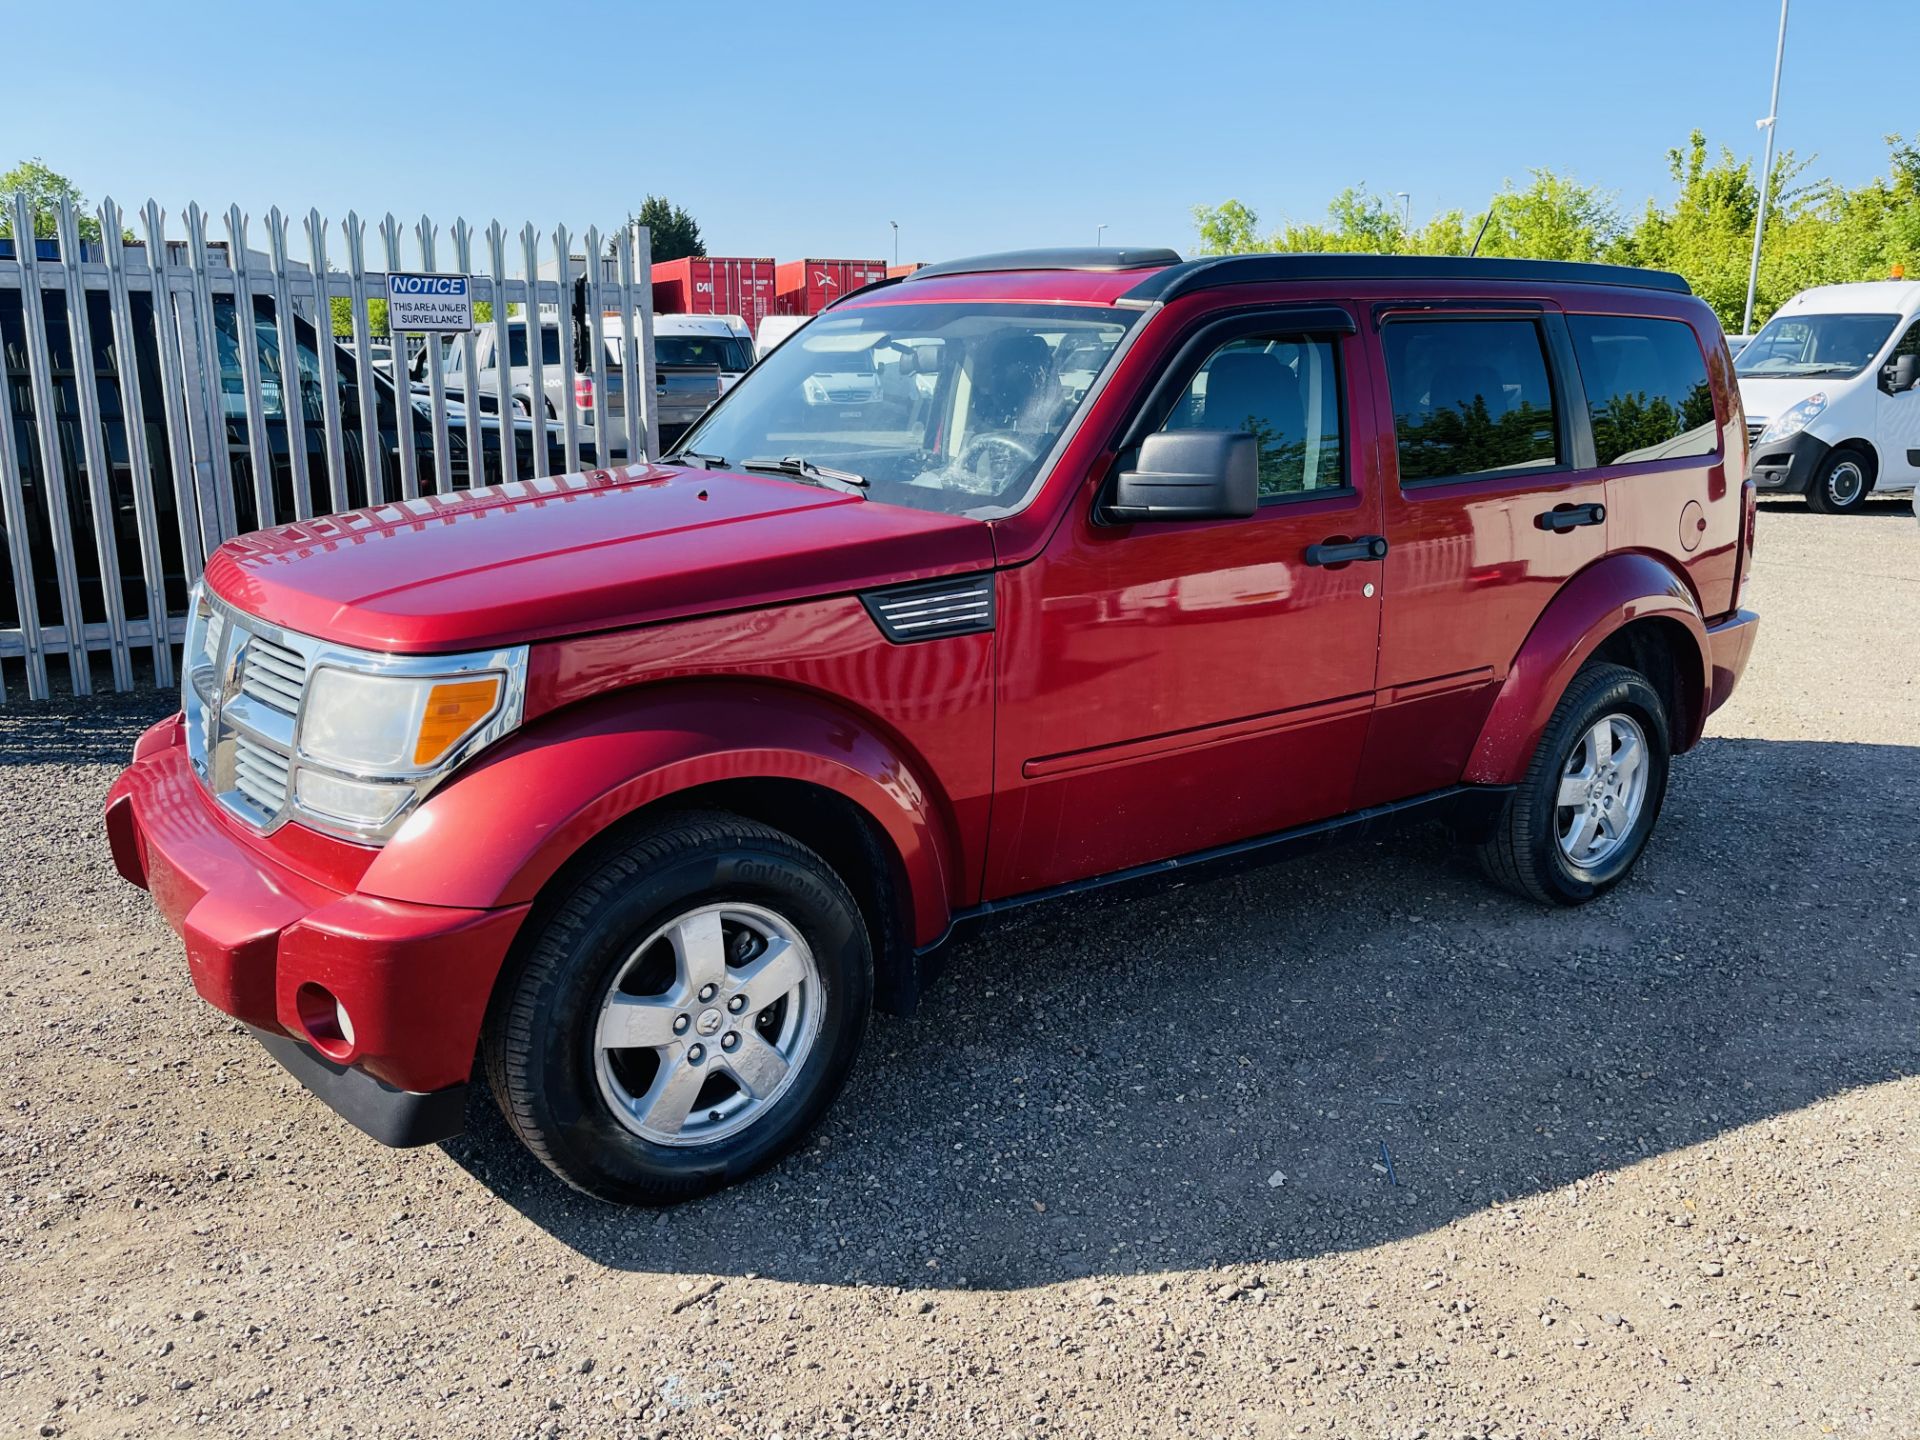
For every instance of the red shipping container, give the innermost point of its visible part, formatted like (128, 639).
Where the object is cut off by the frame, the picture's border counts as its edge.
(806, 287)
(715, 285)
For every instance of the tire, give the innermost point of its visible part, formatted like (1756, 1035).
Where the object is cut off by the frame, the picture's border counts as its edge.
(1843, 482)
(608, 953)
(1535, 846)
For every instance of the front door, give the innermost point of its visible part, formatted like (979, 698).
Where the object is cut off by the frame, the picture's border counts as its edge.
(1170, 688)
(1899, 423)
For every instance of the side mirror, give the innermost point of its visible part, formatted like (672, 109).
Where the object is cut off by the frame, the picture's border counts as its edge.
(1189, 475)
(1901, 373)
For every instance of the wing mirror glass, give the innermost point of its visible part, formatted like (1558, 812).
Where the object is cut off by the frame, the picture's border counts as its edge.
(1189, 475)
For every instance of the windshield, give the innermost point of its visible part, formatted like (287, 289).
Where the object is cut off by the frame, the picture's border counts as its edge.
(942, 407)
(1836, 344)
(726, 351)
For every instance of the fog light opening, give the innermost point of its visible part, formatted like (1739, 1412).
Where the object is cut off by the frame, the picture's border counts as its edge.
(325, 1020)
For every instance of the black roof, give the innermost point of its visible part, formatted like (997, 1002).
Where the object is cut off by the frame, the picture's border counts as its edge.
(1212, 271)
(1083, 258)
(1173, 276)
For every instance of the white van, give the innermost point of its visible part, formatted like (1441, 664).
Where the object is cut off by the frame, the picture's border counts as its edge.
(722, 340)
(775, 328)
(1828, 387)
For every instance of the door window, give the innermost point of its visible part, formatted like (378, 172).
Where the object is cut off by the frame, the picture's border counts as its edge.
(1471, 398)
(517, 345)
(1647, 389)
(1284, 390)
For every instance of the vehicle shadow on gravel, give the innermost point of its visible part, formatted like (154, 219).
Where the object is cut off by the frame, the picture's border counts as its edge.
(1331, 1054)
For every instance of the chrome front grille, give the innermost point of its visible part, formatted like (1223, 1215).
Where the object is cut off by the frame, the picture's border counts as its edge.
(244, 684)
(1754, 429)
(260, 774)
(273, 674)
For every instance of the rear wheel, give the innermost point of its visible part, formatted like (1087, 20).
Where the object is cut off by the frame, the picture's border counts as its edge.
(1579, 819)
(685, 1013)
(1843, 482)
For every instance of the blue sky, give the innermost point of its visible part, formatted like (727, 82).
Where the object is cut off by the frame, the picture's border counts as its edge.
(795, 130)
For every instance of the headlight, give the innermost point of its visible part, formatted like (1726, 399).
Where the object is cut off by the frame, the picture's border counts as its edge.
(375, 737)
(389, 724)
(1793, 419)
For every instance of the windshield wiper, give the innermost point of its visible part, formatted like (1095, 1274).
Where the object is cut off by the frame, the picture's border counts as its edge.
(802, 468)
(694, 457)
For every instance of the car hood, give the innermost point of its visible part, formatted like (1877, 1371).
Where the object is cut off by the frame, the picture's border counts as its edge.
(570, 554)
(1765, 397)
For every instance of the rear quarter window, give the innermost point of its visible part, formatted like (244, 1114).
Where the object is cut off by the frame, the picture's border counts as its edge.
(1647, 388)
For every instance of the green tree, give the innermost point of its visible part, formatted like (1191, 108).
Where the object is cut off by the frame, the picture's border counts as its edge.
(1229, 228)
(1358, 222)
(1554, 217)
(44, 188)
(675, 234)
(341, 309)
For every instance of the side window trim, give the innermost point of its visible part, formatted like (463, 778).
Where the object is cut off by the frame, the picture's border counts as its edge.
(1197, 347)
(1572, 429)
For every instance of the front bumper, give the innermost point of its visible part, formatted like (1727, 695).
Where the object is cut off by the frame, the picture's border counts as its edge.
(1731, 642)
(283, 944)
(1787, 467)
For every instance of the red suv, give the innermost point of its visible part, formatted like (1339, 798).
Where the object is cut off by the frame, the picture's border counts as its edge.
(635, 790)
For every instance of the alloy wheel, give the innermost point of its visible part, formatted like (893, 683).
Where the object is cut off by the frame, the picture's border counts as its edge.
(1603, 789)
(707, 1023)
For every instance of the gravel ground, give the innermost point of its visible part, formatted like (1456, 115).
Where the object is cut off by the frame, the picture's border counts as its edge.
(1354, 1146)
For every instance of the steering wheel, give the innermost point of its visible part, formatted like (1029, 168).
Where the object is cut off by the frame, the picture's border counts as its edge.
(966, 461)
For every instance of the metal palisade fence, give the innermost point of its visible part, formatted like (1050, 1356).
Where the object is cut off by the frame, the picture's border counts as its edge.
(160, 395)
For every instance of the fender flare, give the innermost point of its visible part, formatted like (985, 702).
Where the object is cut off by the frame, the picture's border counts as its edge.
(1611, 593)
(551, 788)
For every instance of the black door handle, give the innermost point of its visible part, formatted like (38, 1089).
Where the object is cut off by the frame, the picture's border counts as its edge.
(1571, 517)
(1344, 552)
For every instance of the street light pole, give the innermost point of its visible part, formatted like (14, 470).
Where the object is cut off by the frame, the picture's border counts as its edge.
(896, 243)
(1770, 125)
(1098, 232)
(1406, 210)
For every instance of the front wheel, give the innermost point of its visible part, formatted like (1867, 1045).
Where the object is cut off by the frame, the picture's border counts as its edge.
(1842, 483)
(1578, 821)
(684, 1014)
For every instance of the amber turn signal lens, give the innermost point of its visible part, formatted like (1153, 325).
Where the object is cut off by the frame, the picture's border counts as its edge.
(454, 708)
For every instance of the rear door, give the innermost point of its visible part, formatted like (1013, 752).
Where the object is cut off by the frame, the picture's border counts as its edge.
(1491, 506)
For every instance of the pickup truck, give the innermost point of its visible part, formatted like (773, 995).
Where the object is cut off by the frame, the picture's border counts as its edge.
(682, 393)
(633, 792)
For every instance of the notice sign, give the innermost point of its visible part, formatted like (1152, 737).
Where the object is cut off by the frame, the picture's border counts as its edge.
(435, 303)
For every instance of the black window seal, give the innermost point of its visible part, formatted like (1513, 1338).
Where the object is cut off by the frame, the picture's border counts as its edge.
(1572, 427)
(1197, 346)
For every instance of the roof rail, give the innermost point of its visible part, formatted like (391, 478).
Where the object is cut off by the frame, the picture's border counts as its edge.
(1206, 274)
(1084, 258)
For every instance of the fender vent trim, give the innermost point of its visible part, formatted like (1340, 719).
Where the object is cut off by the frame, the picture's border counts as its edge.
(933, 609)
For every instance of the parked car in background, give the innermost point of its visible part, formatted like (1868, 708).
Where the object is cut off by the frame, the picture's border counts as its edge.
(694, 341)
(635, 792)
(682, 392)
(1829, 389)
(282, 393)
